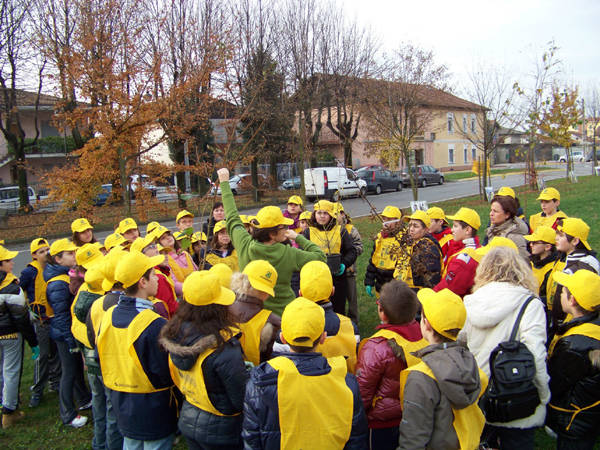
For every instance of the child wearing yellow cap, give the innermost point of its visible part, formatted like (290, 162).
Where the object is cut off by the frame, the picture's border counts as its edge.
(574, 363)
(301, 399)
(550, 214)
(543, 255)
(220, 249)
(295, 207)
(303, 221)
(198, 248)
(439, 228)
(180, 261)
(83, 232)
(129, 229)
(206, 364)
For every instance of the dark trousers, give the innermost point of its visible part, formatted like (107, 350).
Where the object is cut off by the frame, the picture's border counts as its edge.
(509, 438)
(47, 367)
(585, 443)
(384, 438)
(352, 297)
(339, 296)
(72, 385)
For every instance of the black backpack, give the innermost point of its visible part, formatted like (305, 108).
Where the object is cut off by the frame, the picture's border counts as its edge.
(511, 393)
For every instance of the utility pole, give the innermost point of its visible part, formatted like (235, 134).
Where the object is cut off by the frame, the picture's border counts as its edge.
(186, 162)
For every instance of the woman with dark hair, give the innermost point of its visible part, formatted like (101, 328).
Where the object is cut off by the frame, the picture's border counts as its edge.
(216, 215)
(505, 223)
(221, 249)
(207, 364)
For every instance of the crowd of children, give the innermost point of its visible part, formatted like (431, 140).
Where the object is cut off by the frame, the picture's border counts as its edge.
(245, 334)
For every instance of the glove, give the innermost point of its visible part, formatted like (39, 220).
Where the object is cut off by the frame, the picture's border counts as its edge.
(369, 290)
(35, 352)
(342, 270)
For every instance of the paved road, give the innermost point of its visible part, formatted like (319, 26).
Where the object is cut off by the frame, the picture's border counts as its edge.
(356, 207)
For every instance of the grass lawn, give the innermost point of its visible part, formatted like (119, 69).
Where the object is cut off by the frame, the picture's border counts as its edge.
(42, 427)
(455, 176)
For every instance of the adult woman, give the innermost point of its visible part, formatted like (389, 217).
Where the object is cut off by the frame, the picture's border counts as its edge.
(83, 232)
(216, 215)
(505, 223)
(221, 249)
(180, 261)
(503, 282)
(206, 364)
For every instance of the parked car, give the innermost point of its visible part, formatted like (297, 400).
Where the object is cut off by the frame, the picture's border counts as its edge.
(426, 175)
(242, 184)
(590, 156)
(332, 183)
(103, 196)
(135, 181)
(577, 156)
(9, 197)
(379, 179)
(292, 183)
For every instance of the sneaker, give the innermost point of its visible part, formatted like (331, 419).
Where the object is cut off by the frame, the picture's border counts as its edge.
(35, 401)
(88, 405)
(78, 422)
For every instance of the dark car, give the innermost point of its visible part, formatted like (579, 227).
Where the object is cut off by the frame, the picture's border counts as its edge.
(292, 183)
(102, 197)
(426, 175)
(379, 179)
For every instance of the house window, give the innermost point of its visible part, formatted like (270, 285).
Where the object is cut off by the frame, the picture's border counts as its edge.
(473, 124)
(465, 123)
(451, 154)
(450, 123)
(465, 154)
(473, 153)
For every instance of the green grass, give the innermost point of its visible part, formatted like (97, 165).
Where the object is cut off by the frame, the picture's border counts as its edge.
(455, 176)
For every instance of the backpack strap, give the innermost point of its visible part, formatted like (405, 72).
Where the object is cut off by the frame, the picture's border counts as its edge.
(513, 333)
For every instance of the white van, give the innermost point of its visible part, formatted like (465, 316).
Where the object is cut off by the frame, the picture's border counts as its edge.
(9, 197)
(332, 183)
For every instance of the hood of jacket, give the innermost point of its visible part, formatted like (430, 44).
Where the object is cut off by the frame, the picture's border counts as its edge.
(52, 270)
(491, 303)
(455, 371)
(185, 351)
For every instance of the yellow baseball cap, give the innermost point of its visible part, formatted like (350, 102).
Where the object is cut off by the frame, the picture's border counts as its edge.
(324, 205)
(204, 288)
(271, 216)
(419, 215)
(141, 243)
(435, 212)
(444, 310)
(219, 226)
(126, 225)
(159, 231)
(113, 240)
(62, 245)
(468, 216)
(576, 227)
(497, 241)
(38, 243)
(262, 276)
(316, 282)
(305, 215)
(296, 200)
(94, 278)
(338, 208)
(199, 236)
(80, 225)
(542, 233)
(302, 322)
(6, 254)
(88, 255)
(133, 265)
(392, 212)
(506, 191)
(223, 272)
(549, 193)
(109, 265)
(182, 214)
(178, 235)
(246, 219)
(151, 227)
(583, 284)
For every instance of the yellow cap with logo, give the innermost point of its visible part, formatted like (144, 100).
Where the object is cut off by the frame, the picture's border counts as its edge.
(302, 322)
(576, 227)
(6, 254)
(198, 236)
(506, 191)
(419, 215)
(548, 194)
(305, 215)
(296, 200)
(80, 225)
(468, 216)
(393, 212)
(219, 226)
(141, 243)
(584, 285)
(542, 233)
(223, 272)
(204, 288)
(444, 310)
(113, 240)
(151, 227)
(62, 245)
(497, 241)
(262, 276)
(94, 278)
(88, 255)
(133, 265)
(316, 282)
(38, 243)
(182, 214)
(271, 216)
(324, 205)
(126, 225)
(435, 212)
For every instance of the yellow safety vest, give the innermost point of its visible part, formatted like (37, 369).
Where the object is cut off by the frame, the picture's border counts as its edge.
(191, 383)
(231, 261)
(40, 291)
(121, 367)
(96, 314)
(305, 420)
(341, 344)
(329, 241)
(551, 285)
(540, 273)
(9, 278)
(408, 346)
(445, 239)
(385, 255)
(468, 422)
(536, 220)
(250, 339)
(78, 329)
(181, 273)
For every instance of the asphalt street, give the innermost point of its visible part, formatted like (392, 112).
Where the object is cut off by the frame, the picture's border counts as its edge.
(357, 207)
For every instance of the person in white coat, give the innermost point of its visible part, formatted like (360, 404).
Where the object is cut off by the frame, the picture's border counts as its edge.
(503, 282)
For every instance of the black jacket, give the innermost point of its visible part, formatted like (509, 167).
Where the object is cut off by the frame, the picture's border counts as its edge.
(14, 314)
(59, 298)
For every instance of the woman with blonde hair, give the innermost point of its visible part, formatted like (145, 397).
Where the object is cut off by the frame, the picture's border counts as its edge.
(504, 281)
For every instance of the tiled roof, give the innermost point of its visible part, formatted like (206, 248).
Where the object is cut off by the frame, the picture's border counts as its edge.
(26, 98)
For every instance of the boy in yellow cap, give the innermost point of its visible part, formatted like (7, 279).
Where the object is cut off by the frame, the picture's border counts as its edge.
(439, 228)
(304, 220)
(543, 255)
(198, 247)
(184, 220)
(285, 408)
(439, 394)
(574, 363)
(295, 206)
(128, 229)
(134, 369)
(550, 215)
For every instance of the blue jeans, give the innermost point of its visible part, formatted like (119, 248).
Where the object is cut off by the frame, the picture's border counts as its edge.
(160, 444)
(11, 360)
(106, 432)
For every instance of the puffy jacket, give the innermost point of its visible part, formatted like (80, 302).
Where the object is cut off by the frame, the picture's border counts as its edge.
(59, 298)
(14, 314)
(426, 262)
(378, 375)
(261, 412)
(225, 377)
(513, 229)
(574, 368)
(460, 274)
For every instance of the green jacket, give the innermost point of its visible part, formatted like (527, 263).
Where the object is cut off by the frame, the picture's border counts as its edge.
(285, 258)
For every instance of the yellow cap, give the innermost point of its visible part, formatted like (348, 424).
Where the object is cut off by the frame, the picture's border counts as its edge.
(468, 216)
(338, 208)
(109, 265)
(506, 191)
(178, 235)
(88, 255)
(576, 227)
(223, 272)
(316, 283)
(151, 227)
(542, 233)
(204, 288)
(392, 212)
(296, 200)
(199, 236)
(80, 225)
(246, 219)
(419, 215)
(62, 245)
(497, 241)
(302, 322)
(38, 243)
(94, 278)
(305, 215)
(6, 254)
(113, 240)
(182, 214)
(219, 226)
(549, 194)
(584, 285)
(141, 243)
(159, 231)
(126, 225)
(324, 205)
(435, 212)
(262, 276)
(271, 216)
(444, 310)
(133, 265)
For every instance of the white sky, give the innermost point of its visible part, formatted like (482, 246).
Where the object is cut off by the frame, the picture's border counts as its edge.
(506, 33)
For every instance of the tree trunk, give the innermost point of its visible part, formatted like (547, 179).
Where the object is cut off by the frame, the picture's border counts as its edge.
(273, 170)
(348, 152)
(254, 175)
(24, 205)
(125, 183)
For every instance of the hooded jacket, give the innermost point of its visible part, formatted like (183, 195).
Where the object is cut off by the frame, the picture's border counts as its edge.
(491, 313)
(427, 409)
(513, 229)
(59, 298)
(14, 314)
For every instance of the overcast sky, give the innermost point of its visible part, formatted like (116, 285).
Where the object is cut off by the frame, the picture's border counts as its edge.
(508, 33)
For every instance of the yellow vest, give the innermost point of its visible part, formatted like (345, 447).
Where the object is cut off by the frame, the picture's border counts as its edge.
(306, 420)
(9, 278)
(341, 344)
(96, 314)
(231, 261)
(120, 364)
(181, 273)
(385, 255)
(540, 273)
(552, 285)
(468, 422)
(40, 291)
(407, 346)
(329, 241)
(445, 239)
(78, 329)
(537, 219)
(250, 339)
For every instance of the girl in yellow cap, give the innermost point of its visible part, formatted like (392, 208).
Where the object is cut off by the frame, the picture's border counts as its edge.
(221, 249)
(295, 207)
(83, 232)
(180, 261)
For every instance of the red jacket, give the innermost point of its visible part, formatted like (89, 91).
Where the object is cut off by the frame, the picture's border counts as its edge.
(378, 374)
(460, 275)
(165, 290)
(444, 238)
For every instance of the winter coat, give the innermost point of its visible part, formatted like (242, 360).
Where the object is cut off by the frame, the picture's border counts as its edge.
(427, 417)
(426, 262)
(460, 274)
(261, 412)
(14, 313)
(491, 313)
(225, 377)
(59, 298)
(444, 238)
(513, 229)
(165, 289)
